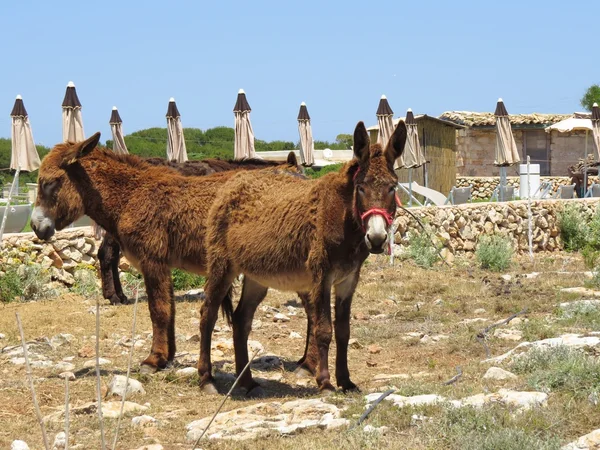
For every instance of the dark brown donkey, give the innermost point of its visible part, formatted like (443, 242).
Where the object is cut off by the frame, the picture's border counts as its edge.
(109, 251)
(157, 216)
(303, 236)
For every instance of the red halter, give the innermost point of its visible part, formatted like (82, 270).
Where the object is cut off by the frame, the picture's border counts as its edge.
(375, 211)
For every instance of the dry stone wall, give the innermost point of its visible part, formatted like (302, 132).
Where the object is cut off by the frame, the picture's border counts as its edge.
(483, 187)
(458, 228)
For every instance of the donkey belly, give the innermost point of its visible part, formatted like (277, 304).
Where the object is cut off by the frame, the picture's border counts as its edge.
(285, 281)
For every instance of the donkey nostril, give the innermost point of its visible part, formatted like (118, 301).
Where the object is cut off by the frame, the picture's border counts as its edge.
(376, 239)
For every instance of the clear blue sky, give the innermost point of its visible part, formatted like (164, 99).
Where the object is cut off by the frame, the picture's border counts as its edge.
(337, 56)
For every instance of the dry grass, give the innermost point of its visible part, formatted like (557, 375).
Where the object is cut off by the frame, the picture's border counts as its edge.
(402, 297)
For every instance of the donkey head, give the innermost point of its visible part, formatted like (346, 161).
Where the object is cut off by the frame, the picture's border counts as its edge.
(59, 202)
(375, 184)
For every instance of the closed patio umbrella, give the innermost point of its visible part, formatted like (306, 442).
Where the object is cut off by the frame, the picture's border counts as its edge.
(24, 155)
(244, 135)
(175, 141)
(506, 147)
(116, 127)
(412, 157)
(596, 130)
(385, 121)
(71, 116)
(307, 145)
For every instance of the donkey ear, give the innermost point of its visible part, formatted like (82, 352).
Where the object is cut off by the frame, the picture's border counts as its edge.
(361, 142)
(80, 149)
(395, 146)
(291, 160)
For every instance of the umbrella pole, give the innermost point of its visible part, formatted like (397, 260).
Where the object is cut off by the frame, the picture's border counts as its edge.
(426, 175)
(529, 215)
(8, 200)
(502, 183)
(585, 164)
(410, 195)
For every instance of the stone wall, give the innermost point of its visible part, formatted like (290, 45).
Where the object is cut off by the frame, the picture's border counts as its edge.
(458, 228)
(62, 256)
(484, 186)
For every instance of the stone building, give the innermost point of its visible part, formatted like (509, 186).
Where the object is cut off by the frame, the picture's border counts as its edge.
(554, 151)
(438, 142)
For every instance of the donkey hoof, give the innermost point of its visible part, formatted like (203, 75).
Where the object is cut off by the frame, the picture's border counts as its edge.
(349, 387)
(256, 392)
(302, 372)
(327, 389)
(146, 369)
(209, 389)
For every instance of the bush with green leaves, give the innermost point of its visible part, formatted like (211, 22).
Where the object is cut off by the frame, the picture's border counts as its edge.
(10, 284)
(560, 368)
(494, 252)
(185, 280)
(313, 173)
(28, 282)
(422, 250)
(573, 228)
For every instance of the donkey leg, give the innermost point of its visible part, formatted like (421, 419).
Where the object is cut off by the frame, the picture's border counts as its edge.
(108, 254)
(343, 302)
(252, 294)
(321, 298)
(308, 363)
(216, 288)
(159, 286)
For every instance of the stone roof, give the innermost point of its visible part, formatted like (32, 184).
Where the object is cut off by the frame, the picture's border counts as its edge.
(485, 119)
(419, 117)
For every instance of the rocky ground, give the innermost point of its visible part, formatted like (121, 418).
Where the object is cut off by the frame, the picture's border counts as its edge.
(428, 336)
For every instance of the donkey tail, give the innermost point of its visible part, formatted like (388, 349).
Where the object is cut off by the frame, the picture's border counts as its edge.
(227, 306)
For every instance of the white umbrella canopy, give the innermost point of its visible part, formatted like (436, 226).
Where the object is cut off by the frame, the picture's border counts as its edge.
(571, 124)
(385, 121)
(507, 153)
(24, 155)
(116, 127)
(244, 134)
(413, 155)
(596, 130)
(72, 122)
(176, 149)
(307, 145)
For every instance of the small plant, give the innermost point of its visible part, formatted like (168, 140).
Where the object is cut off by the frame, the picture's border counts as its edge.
(573, 229)
(494, 252)
(34, 282)
(184, 280)
(10, 285)
(85, 282)
(422, 251)
(560, 369)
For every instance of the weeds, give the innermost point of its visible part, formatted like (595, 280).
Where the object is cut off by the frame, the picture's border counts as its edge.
(422, 251)
(10, 285)
(494, 252)
(560, 369)
(573, 229)
(184, 280)
(85, 282)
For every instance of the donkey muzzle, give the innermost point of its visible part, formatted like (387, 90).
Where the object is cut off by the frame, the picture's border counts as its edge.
(42, 226)
(376, 235)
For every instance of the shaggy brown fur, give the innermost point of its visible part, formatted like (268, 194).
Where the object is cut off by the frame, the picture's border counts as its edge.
(297, 235)
(158, 218)
(109, 251)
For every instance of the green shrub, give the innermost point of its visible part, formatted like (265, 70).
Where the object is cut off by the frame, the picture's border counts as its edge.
(313, 173)
(494, 252)
(573, 229)
(184, 280)
(10, 285)
(85, 282)
(560, 369)
(422, 250)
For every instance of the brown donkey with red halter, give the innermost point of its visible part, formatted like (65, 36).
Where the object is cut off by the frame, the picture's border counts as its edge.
(302, 236)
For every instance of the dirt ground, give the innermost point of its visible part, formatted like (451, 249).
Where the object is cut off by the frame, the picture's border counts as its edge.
(390, 302)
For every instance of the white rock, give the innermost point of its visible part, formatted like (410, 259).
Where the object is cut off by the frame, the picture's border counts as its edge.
(60, 441)
(474, 320)
(143, 421)
(376, 430)
(479, 311)
(118, 383)
(508, 334)
(19, 445)
(506, 277)
(267, 418)
(438, 302)
(92, 362)
(69, 375)
(570, 309)
(589, 441)
(110, 410)
(582, 291)
(295, 335)
(2, 336)
(496, 373)
(279, 317)
(187, 372)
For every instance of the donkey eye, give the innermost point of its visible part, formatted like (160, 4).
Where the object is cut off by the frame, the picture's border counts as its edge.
(392, 189)
(360, 190)
(48, 187)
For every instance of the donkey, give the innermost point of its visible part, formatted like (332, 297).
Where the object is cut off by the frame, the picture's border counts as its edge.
(157, 216)
(109, 251)
(303, 236)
